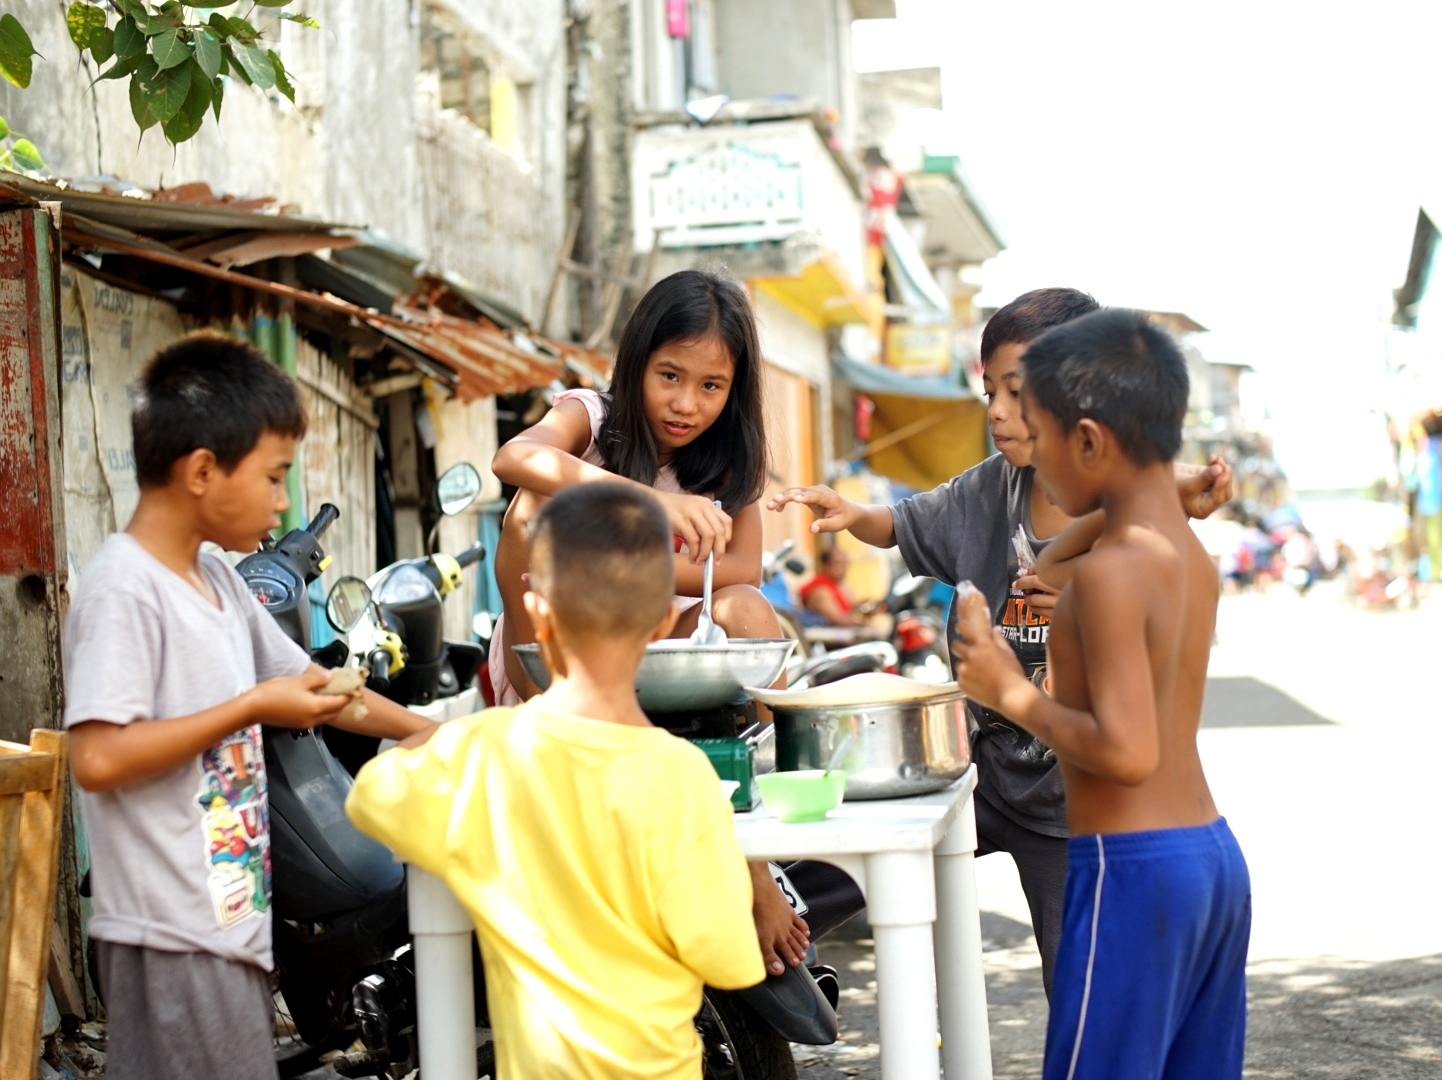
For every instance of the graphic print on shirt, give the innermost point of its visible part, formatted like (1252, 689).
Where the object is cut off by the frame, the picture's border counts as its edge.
(235, 822)
(1026, 631)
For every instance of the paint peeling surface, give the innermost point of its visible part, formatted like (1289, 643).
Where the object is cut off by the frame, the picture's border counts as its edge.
(22, 548)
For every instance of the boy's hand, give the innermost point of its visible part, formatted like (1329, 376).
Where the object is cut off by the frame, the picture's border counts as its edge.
(703, 525)
(295, 702)
(985, 664)
(833, 513)
(1040, 596)
(1204, 489)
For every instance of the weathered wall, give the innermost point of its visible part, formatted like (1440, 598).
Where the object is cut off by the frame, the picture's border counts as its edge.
(353, 148)
(32, 543)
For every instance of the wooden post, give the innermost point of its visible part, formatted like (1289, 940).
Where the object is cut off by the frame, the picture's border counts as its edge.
(32, 816)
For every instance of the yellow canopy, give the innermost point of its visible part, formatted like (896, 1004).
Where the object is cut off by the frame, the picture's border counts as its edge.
(923, 442)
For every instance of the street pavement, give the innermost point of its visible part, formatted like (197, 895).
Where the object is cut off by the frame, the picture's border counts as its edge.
(1322, 743)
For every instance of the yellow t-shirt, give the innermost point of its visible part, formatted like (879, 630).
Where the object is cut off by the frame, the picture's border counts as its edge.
(600, 866)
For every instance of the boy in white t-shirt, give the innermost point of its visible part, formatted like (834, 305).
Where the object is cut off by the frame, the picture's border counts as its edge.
(170, 668)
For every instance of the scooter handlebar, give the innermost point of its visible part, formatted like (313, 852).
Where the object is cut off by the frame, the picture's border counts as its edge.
(323, 520)
(380, 665)
(475, 553)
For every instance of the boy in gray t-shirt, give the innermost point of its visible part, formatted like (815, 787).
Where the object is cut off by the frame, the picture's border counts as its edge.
(968, 529)
(170, 668)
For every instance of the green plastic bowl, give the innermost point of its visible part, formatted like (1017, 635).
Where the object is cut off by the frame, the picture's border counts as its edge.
(805, 795)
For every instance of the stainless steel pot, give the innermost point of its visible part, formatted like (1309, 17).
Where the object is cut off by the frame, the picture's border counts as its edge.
(676, 675)
(905, 748)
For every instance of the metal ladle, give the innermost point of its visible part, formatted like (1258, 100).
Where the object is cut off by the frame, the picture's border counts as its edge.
(707, 632)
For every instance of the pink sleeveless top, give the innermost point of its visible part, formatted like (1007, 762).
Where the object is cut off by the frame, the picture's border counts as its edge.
(666, 481)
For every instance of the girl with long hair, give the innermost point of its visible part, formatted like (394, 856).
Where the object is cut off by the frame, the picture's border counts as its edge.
(683, 419)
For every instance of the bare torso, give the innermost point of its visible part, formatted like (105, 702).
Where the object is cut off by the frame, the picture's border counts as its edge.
(1178, 586)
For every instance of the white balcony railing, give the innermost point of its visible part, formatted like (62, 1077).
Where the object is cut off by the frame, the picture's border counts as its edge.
(733, 184)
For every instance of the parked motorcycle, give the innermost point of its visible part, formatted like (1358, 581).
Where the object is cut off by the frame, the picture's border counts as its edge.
(342, 947)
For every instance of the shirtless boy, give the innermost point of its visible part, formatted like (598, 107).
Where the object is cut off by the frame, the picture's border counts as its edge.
(1150, 976)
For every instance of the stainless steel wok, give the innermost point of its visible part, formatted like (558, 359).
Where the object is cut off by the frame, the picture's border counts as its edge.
(901, 748)
(676, 675)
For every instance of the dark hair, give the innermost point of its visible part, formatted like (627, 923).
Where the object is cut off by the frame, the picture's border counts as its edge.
(208, 391)
(726, 461)
(1120, 369)
(601, 556)
(1032, 314)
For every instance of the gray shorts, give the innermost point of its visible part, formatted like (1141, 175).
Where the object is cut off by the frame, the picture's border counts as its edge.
(184, 1016)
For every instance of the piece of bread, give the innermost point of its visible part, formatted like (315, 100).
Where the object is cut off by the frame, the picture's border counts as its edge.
(349, 681)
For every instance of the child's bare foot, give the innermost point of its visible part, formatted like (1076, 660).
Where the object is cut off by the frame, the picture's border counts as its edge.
(783, 935)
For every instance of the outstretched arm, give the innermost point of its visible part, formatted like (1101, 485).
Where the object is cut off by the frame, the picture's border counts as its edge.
(1202, 488)
(1116, 739)
(870, 524)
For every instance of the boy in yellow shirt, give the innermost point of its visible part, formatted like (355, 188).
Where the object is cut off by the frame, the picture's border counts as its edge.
(594, 851)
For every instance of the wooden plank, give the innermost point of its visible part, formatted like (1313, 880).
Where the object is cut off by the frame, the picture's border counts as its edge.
(10, 811)
(69, 997)
(41, 822)
(32, 772)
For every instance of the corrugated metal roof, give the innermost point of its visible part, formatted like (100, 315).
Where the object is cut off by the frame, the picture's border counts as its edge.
(484, 358)
(179, 210)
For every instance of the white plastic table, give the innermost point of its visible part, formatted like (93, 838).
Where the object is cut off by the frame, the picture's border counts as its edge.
(915, 861)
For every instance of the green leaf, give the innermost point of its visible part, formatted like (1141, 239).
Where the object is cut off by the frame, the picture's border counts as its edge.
(165, 93)
(184, 124)
(26, 156)
(174, 8)
(217, 91)
(139, 101)
(218, 23)
(158, 24)
(129, 41)
(133, 8)
(256, 65)
(233, 64)
(15, 51)
(282, 80)
(239, 28)
(207, 53)
(272, 3)
(4, 128)
(122, 68)
(169, 49)
(102, 46)
(84, 21)
(303, 20)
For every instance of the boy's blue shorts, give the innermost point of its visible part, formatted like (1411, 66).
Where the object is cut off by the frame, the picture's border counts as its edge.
(1150, 976)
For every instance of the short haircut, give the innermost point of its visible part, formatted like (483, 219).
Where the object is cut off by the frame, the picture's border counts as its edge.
(601, 555)
(1120, 369)
(1032, 314)
(209, 391)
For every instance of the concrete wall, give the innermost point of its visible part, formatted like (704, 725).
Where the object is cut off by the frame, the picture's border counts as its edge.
(801, 47)
(350, 149)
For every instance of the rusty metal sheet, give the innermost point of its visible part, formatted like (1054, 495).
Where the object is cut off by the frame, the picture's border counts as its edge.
(245, 248)
(485, 359)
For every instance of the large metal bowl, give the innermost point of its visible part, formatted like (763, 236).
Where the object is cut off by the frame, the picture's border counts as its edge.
(905, 748)
(676, 676)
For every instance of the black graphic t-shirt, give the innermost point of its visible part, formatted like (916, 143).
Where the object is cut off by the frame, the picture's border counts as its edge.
(964, 531)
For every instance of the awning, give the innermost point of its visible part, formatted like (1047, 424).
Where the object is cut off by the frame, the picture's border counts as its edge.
(924, 431)
(823, 294)
(916, 287)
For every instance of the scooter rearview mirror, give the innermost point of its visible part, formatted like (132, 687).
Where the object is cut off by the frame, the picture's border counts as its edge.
(347, 603)
(457, 488)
